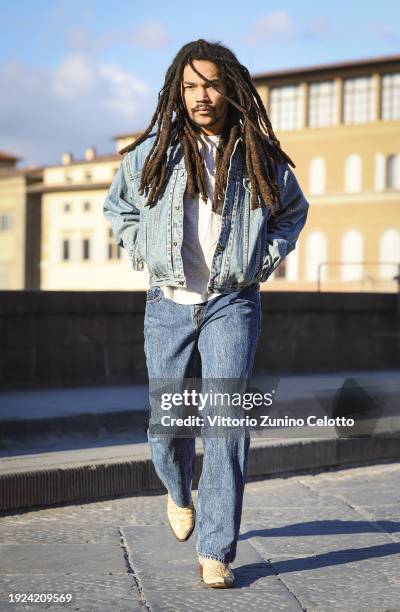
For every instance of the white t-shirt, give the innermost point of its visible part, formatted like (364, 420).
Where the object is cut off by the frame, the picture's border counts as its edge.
(201, 230)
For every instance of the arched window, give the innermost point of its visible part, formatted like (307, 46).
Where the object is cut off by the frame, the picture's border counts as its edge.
(353, 174)
(352, 251)
(317, 176)
(292, 264)
(316, 253)
(380, 171)
(393, 172)
(389, 251)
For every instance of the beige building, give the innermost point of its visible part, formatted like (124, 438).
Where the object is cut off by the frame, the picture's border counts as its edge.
(20, 225)
(340, 124)
(78, 250)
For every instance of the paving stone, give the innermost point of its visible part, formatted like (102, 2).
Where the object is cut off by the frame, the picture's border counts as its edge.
(310, 532)
(382, 474)
(170, 578)
(386, 517)
(219, 600)
(286, 495)
(350, 520)
(111, 511)
(62, 558)
(347, 580)
(367, 494)
(46, 532)
(91, 593)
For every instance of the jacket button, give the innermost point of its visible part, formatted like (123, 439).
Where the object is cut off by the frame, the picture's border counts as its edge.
(175, 243)
(176, 207)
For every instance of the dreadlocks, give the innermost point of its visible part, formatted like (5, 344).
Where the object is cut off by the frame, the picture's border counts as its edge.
(246, 117)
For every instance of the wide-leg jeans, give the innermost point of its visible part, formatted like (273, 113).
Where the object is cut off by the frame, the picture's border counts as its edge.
(213, 340)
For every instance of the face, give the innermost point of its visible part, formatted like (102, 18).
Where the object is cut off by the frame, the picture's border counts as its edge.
(205, 106)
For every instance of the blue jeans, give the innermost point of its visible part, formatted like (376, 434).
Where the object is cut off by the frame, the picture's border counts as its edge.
(213, 340)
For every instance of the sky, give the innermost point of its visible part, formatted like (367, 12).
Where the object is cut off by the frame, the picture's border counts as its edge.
(73, 74)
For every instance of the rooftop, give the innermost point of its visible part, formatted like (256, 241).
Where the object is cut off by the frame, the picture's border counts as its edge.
(335, 66)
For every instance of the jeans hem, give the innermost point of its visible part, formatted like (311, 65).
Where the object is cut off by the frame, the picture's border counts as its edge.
(211, 556)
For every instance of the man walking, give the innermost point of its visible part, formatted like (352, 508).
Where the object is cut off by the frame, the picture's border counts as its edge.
(206, 197)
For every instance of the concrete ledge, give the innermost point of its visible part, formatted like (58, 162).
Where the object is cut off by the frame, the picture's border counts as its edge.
(86, 475)
(18, 303)
(90, 422)
(74, 338)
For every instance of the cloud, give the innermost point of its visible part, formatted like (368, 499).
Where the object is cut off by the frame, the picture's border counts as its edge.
(279, 26)
(384, 31)
(75, 77)
(80, 38)
(63, 11)
(318, 28)
(81, 102)
(276, 25)
(124, 91)
(149, 35)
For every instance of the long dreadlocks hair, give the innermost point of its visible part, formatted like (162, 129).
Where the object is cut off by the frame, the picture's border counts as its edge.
(247, 117)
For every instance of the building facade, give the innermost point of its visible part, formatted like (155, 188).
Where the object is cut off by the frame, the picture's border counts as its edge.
(78, 250)
(20, 225)
(340, 124)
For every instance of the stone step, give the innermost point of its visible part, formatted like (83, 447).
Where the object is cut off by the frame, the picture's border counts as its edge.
(48, 478)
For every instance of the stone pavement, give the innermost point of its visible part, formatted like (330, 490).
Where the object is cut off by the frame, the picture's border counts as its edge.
(321, 541)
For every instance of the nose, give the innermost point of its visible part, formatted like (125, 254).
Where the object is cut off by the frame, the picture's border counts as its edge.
(202, 95)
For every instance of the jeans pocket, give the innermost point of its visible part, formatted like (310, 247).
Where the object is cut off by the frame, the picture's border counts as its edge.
(154, 294)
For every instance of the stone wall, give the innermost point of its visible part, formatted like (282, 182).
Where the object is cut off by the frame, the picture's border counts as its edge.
(64, 338)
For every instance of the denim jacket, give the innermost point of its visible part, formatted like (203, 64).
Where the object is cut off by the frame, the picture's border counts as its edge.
(251, 245)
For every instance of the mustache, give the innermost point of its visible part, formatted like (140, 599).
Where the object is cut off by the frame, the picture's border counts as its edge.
(202, 107)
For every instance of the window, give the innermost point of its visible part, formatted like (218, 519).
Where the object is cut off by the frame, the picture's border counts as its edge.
(87, 206)
(68, 177)
(66, 254)
(359, 100)
(391, 96)
(380, 172)
(5, 222)
(393, 172)
(286, 107)
(317, 176)
(67, 207)
(321, 104)
(88, 175)
(316, 254)
(389, 253)
(86, 248)
(352, 256)
(292, 262)
(353, 174)
(113, 250)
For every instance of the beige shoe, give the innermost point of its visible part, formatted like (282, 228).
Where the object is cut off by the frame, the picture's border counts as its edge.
(215, 574)
(181, 519)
